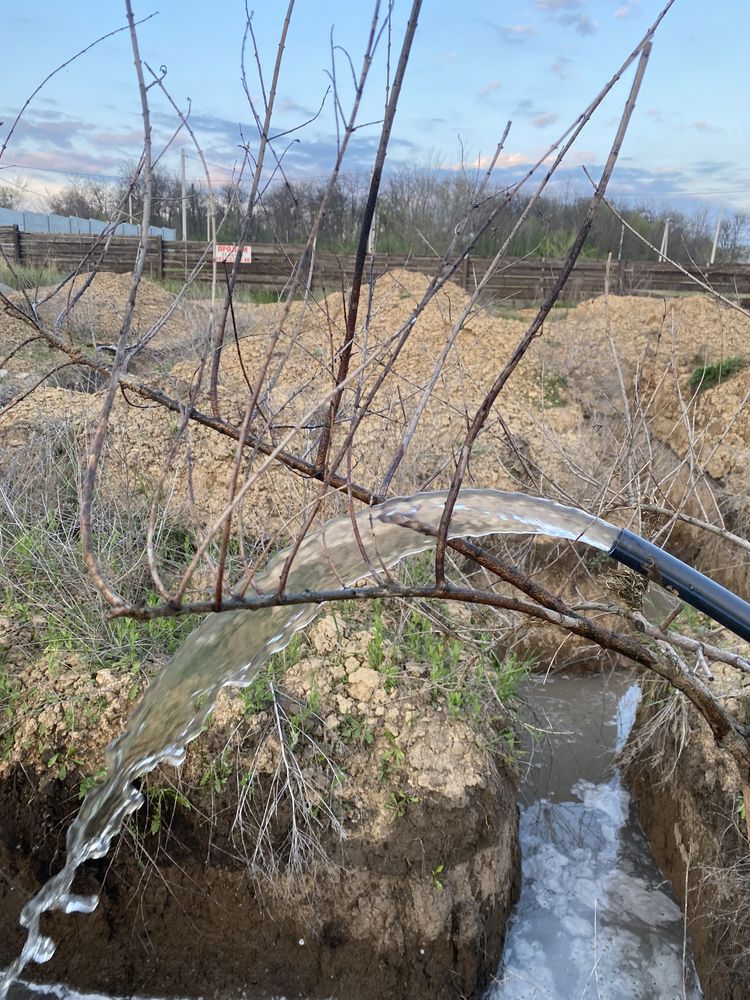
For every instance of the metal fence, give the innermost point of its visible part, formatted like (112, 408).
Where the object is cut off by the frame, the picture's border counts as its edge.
(38, 222)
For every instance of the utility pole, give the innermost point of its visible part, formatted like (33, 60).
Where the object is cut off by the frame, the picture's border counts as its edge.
(664, 242)
(372, 236)
(183, 158)
(622, 239)
(716, 236)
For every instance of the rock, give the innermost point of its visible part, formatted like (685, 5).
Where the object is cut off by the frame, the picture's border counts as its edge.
(332, 722)
(324, 635)
(344, 704)
(363, 683)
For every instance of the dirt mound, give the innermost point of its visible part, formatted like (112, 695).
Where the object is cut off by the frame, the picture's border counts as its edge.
(647, 338)
(538, 435)
(403, 822)
(102, 305)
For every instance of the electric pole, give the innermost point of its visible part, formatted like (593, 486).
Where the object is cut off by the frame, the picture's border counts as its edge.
(183, 158)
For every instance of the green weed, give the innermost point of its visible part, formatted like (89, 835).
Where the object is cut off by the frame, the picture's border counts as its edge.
(507, 675)
(706, 376)
(157, 799)
(217, 773)
(258, 694)
(87, 783)
(436, 872)
(553, 391)
(391, 760)
(375, 653)
(352, 730)
(399, 801)
(24, 276)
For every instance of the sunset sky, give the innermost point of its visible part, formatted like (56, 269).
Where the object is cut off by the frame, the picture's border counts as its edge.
(475, 65)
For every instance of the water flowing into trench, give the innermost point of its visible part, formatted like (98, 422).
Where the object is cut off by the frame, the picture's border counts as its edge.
(596, 918)
(228, 649)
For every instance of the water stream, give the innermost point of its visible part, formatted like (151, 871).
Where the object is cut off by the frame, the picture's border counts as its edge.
(596, 917)
(230, 648)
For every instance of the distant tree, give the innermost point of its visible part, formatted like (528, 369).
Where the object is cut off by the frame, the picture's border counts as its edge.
(12, 196)
(83, 197)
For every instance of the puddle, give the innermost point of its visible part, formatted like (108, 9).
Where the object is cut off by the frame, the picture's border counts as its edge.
(596, 919)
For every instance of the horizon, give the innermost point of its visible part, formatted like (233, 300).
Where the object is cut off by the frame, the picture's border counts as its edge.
(538, 64)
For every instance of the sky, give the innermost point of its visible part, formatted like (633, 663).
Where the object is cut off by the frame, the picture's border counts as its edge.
(476, 64)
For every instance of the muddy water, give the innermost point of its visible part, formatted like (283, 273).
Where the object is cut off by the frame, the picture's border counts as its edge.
(596, 918)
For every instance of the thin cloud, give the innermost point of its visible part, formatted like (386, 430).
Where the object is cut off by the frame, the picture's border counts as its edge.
(61, 133)
(288, 106)
(516, 33)
(490, 88)
(555, 6)
(543, 120)
(570, 13)
(626, 10)
(582, 23)
(703, 126)
(505, 162)
(560, 67)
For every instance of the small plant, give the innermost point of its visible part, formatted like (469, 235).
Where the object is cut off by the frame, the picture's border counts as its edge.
(218, 773)
(61, 762)
(436, 872)
(87, 783)
(706, 376)
(157, 798)
(506, 676)
(553, 393)
(391, 760)
(351, 730)
(258, 694)
(375, 653)
(399, 801)
(691, 620)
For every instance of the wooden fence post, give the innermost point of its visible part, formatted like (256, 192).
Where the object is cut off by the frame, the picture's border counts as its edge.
(466, 273)
(160, 257)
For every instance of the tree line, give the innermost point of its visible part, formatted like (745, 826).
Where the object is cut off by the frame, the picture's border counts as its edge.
(419, 210)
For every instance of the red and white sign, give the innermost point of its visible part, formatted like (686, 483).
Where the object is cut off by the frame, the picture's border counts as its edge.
(226, 253)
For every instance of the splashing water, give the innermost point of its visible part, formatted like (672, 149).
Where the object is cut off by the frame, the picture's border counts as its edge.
(229, 649)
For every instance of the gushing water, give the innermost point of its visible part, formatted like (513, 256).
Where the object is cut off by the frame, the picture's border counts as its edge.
(229, 649)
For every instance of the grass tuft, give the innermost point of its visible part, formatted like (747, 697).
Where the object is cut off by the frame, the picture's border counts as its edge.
(707, 376)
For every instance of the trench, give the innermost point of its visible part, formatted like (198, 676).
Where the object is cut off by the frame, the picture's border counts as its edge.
(596, 917)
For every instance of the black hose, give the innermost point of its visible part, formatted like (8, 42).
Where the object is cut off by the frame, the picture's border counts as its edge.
(693, 587)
